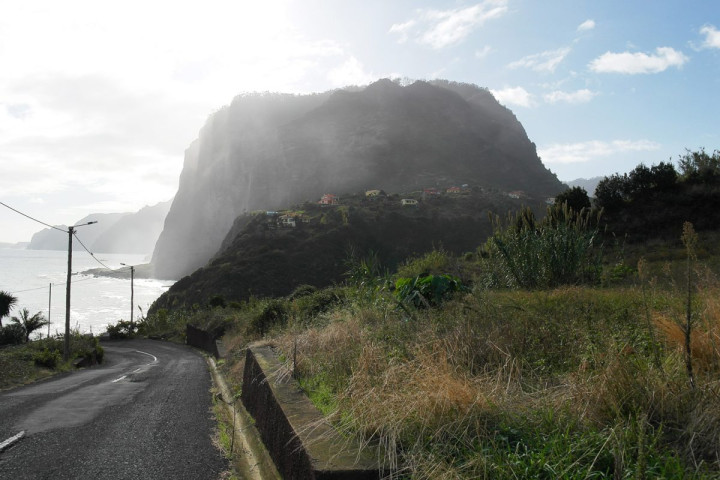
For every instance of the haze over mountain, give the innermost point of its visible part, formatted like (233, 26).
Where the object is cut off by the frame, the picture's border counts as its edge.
(114, 232)
(589, 184)
(266, 151)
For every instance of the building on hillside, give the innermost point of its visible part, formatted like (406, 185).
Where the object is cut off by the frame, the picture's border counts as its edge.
(409, 202)
(516, 194)
(431, 191)
(373, 193)
(329, 199)
(287, 221)
(454, 190)
(550, 201)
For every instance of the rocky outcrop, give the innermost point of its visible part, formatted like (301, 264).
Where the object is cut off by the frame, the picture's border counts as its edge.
(269, 151)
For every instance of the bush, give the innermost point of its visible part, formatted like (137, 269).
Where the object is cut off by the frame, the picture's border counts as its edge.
(273, 313)
(47, 358)
(13, 334)
(217, 301)
(122, 329)
(559, 250)
(427, 291)
(316, 303)
(302, 291)
(434, 262)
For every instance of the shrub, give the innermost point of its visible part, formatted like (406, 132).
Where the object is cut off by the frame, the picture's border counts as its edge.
(47, 358)
(434, 262)
(427, 291)
(559, 250)
(13, 334)
(302, 291)
(217, 301)
(307, 306)
(122, 329)
(273, 313)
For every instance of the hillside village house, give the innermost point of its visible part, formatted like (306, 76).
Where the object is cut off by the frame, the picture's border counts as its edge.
(516, 194)
(287, 221)
(454, 190)
(409, 202)
(372, 193)
(329, 199)
(431, 191)
(291, 219)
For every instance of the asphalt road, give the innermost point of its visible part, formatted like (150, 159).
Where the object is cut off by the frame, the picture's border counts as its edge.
(144, 414)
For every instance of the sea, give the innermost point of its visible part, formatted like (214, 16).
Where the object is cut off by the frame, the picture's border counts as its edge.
(95, 301)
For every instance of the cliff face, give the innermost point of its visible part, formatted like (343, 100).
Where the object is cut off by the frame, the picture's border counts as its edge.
(269, 151)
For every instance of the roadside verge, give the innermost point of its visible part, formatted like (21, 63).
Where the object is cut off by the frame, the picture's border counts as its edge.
(254, 461)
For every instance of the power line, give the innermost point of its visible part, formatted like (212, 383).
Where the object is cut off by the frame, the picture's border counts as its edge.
(33, 219)
(88, 251)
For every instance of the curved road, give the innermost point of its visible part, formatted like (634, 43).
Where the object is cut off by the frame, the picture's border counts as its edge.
(144, 414)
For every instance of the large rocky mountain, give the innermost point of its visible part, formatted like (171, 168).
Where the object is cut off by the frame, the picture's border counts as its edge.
(114, 233)
(135, 233)
(273, 150)
(53, 239)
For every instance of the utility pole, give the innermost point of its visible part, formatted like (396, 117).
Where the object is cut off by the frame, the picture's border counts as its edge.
(132, 291)
(66, 349)
(49, 304)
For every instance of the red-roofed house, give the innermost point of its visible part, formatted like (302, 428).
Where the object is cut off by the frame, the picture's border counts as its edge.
(329, 199)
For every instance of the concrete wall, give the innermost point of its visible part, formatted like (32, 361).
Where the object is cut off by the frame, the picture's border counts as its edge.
(300, 441)
(201, 339)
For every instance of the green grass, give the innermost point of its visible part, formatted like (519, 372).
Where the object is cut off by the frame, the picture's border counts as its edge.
(579, 381)
(18, 365)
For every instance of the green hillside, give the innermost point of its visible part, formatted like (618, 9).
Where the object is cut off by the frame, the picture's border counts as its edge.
(262, 258)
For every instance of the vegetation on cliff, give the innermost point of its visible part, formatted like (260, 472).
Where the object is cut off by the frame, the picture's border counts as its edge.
(263, 257)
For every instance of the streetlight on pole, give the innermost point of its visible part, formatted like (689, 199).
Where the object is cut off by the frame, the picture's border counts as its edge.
(132, 291)
(71, 232)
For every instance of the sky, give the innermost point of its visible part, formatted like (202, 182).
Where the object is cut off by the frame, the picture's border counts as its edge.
(99, 99)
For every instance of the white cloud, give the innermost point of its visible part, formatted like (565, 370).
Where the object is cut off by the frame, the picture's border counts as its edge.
(578, 96)
(583, 152)
(514, 96)
(403, 30)
(351, 72)
(542, 62)
(586, 25)
(443, 28)
(635, 63)
(712, 36)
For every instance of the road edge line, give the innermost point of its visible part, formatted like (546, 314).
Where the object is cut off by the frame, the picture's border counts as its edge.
(11, 441)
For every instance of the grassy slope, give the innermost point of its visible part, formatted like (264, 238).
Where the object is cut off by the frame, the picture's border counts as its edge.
(18, 365)
(571, 382)
(575, 382)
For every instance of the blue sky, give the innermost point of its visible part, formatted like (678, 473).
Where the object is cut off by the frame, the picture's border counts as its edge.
(98, 100)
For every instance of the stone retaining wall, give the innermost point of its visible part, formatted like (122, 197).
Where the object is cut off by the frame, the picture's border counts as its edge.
(301, 443)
